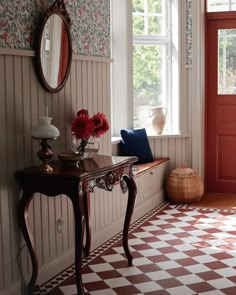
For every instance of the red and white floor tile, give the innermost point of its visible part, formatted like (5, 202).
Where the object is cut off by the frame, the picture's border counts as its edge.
(176, 249)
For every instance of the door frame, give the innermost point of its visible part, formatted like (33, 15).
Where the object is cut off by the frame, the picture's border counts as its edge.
(211, 16)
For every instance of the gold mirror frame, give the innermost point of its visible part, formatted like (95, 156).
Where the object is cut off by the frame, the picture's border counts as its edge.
(57, 14)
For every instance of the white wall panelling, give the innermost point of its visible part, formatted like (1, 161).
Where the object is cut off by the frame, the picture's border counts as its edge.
(22, 101)
(175, 147)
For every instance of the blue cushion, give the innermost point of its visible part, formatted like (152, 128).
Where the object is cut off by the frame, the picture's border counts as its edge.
(135, 143)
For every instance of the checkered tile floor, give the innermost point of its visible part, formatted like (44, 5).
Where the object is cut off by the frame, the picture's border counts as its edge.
(176, 249)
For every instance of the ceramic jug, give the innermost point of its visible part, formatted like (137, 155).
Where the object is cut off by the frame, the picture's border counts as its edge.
(158, 118)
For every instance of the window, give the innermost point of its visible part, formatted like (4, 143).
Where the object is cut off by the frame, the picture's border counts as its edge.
(151, 51)
(145, 70)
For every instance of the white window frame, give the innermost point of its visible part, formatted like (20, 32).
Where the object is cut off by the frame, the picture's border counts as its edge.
(122, 77)
(164, 40)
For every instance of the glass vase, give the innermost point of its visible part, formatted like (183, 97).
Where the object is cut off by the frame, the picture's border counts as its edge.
(92, 147)
(78, 146)
(85, 148)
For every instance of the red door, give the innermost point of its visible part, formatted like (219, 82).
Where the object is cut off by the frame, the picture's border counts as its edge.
(221, 103)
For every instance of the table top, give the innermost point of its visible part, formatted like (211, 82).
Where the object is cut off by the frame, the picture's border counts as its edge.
(98, 163)
(102, 171)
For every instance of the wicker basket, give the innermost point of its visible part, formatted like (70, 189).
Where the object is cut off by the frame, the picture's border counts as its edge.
(184, 185)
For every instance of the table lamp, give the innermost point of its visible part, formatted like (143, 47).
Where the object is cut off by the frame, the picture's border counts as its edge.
(45, 131)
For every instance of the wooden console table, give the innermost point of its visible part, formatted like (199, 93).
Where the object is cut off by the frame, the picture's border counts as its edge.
(76, 183)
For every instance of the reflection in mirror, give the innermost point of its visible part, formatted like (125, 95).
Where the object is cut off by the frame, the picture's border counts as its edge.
(54, 50)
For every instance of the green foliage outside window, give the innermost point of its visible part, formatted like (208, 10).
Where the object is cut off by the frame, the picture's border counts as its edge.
(148, 20)
(147, 73)
(138, 25)
(154, 6)
(138, 5)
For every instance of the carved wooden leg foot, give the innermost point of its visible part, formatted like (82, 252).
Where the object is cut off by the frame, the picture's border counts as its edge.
(33, 289)
(87, 226)
(129, 212)
(79, 225)
(24, 226)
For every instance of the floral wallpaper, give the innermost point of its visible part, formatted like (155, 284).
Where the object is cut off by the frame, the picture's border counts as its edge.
(90, 24)
(189, 32)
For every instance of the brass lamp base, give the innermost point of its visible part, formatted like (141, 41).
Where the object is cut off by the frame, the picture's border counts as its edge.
(45, 168)
(45, 155)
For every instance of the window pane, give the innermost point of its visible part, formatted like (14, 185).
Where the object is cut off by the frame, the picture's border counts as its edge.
(149, 17)
(218, 5)
(155, 6)
(148, 81)
(227, 61)
(138, 25)
(138, 6)
(155, 26)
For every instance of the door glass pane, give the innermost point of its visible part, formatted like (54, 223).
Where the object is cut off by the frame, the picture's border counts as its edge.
(227, 61)
(233, 5)
(218, 5)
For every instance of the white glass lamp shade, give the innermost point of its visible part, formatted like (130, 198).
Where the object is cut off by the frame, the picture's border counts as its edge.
(45, 130)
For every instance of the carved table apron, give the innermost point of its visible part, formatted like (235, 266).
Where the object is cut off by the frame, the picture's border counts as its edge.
(76, 183)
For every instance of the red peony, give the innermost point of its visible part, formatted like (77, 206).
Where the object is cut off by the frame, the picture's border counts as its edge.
(100, 124)
(83, 126)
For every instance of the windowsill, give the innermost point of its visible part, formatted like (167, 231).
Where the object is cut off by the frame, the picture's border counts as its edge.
(116, 139)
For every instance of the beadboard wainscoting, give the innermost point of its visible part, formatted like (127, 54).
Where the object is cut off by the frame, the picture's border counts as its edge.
(176, 147)
(23, 100)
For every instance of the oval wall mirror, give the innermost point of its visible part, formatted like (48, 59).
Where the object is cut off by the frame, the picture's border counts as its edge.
(54, 48)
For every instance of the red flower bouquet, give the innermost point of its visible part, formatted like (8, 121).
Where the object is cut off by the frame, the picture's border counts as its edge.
(84, 128)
